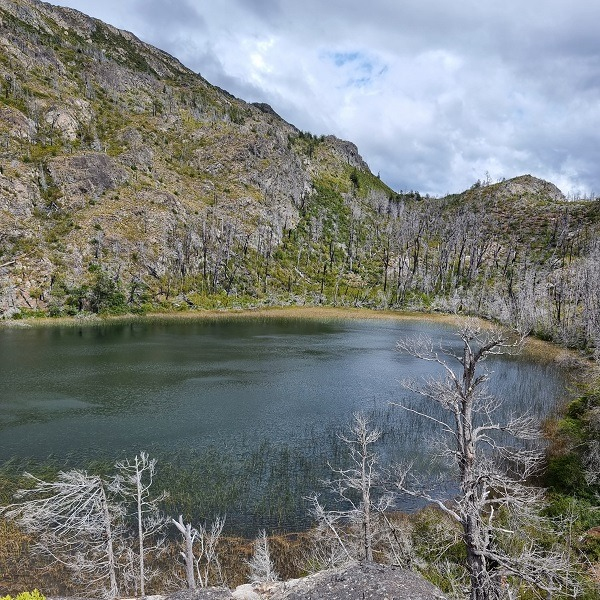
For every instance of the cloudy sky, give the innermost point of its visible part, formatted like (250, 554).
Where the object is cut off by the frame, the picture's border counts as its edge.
(436, 94)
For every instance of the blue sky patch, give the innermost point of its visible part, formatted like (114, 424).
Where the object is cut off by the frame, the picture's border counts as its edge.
(342, 58)
(360, 67)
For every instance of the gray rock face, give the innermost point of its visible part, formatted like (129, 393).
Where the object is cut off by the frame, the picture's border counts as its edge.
(363, 582)
(355, 581)
(349, 151)
(16, 124)
(526, 184)
(266, 108)
(89, 174)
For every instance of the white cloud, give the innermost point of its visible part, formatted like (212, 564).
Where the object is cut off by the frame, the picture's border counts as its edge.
(434, 93)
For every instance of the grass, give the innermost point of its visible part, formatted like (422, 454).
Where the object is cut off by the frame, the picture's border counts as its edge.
(534, 348)
(20, 568)
(275, 312)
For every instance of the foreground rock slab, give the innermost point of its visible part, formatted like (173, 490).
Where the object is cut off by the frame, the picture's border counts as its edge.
(356, 581)
(364, 581)
(202, 594)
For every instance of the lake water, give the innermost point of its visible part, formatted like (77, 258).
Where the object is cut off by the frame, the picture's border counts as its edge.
(242, 413)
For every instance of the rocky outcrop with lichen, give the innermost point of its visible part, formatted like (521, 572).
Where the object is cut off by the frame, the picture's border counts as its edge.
(356, 581)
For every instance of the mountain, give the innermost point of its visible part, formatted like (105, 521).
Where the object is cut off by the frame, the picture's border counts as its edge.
(129, 183)
(116, 157)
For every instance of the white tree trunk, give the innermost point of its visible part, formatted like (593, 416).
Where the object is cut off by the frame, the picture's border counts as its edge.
(110, 554)
(188, 554)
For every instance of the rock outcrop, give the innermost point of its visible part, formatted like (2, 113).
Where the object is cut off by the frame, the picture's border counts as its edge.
(356, 581)
(366, 581)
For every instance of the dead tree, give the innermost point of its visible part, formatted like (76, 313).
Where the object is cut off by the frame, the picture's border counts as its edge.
(200, 551)
(134, 482)
(354, 525)
(74, 524)
(261, 565)
(189, 534)
(495, 506)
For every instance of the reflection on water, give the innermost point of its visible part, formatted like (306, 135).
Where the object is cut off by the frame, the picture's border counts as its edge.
(264, 398)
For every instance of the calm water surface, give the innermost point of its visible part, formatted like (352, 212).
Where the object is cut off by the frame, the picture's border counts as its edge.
(238, 388)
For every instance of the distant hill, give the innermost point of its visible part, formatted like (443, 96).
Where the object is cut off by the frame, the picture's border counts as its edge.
(130, 183)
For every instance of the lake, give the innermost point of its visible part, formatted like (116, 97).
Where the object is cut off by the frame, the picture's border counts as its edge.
(242, 414)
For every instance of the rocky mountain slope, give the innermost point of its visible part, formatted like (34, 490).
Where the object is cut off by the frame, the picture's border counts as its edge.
(115, 157)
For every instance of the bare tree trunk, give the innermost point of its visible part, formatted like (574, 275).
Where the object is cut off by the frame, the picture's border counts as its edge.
(138, 476)
(134, 483)
(110, 554)
(188, 554)
(480, 456)
(366, 485)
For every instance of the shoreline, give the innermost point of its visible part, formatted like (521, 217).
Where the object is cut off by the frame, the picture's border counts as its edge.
(534, 347)
(296, 312)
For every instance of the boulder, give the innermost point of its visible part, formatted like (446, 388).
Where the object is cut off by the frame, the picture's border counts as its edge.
(364, 581)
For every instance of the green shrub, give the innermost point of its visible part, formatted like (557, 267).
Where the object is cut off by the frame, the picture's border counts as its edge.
(565, 474)
(577, 408)
(105, 294)
(436, 536)
(35, 595)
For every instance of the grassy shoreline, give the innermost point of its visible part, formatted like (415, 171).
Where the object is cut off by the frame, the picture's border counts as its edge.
(535, 347)
(291, 312)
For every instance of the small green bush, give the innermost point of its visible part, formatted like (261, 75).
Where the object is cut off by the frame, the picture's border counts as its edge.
(565, 474)
(577, 408)
(35, 595)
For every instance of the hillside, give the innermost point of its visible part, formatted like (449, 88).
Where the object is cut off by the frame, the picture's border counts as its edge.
(116, 157)
(128, 183)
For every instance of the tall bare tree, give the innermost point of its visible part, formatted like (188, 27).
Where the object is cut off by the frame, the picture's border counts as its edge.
(495, 506)
(134, 482)
(354, 526)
